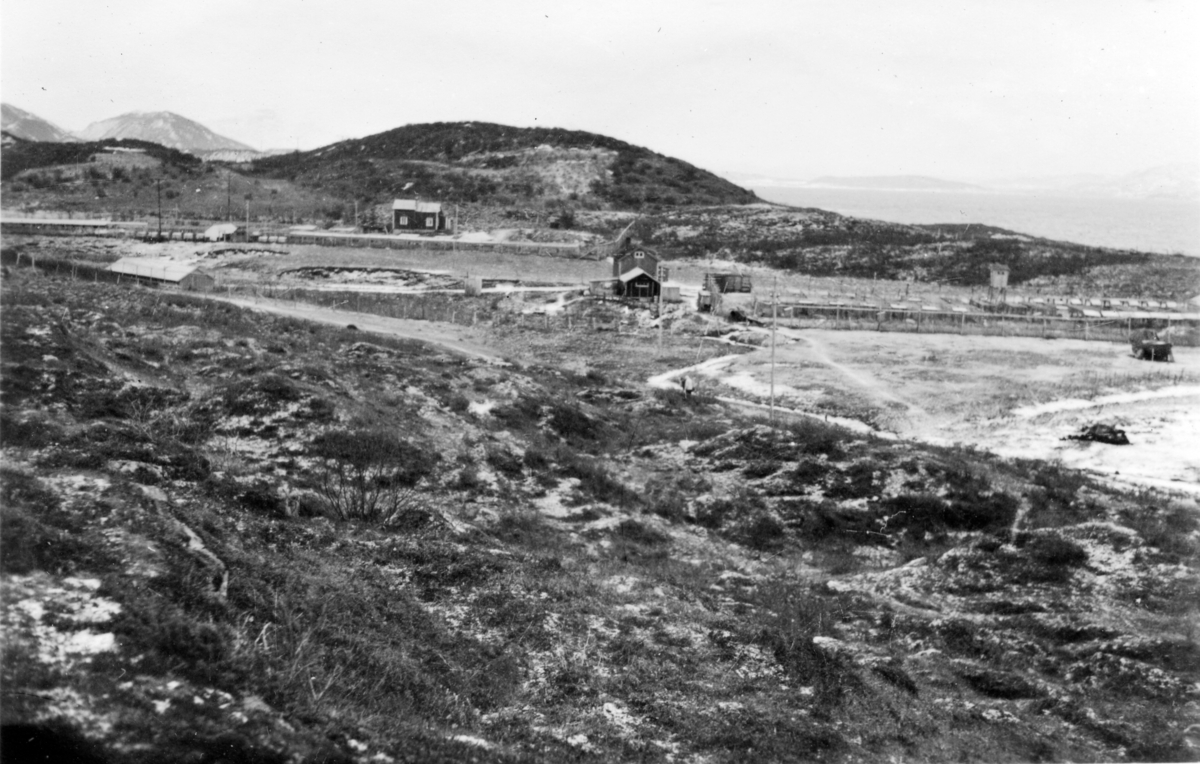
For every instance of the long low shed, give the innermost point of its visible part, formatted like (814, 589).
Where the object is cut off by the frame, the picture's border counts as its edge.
(184, 275)
(68, 227)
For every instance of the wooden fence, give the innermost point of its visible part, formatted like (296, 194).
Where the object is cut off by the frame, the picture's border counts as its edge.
(1184, 330)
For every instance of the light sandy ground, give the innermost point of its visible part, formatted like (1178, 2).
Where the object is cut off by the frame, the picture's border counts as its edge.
(1014, 396)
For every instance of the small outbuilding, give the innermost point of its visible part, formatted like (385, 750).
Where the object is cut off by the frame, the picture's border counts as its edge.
(725, 283)
(413, 215)
(226, 232)
(186, 276)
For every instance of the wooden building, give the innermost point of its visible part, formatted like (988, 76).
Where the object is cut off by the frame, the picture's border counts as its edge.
(725, 283)
(186, 276)
(637, 271)
(68, 227)
(413, 215)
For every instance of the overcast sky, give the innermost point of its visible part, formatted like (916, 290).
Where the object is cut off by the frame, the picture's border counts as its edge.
(961, 90)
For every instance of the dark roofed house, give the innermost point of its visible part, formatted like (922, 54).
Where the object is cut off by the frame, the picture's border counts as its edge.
(636, 271)
(413, 215)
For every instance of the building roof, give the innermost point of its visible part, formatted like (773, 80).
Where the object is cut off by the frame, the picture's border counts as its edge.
(632, 274)
(214, 232)
(412, 205)
(161, 270)
(56, 221)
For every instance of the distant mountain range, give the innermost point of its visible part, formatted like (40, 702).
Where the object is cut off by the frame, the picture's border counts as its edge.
(1179, 181)
(892, 182)
(31, 127)
(162, 127)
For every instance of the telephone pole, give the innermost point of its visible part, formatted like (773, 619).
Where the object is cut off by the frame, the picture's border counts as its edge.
(774, 324)
(658, 276)
(158, 189)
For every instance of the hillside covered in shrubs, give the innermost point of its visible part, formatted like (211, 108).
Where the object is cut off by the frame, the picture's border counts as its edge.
(230, 536)
(819, 243)
(21, 155)
(499, 164)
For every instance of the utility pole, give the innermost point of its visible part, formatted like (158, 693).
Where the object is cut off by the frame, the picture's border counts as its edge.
(658, 276)
(158, 188)
(228, 198)
(774, 323)
(247, 218)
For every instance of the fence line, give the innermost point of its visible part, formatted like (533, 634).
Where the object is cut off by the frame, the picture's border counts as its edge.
(996, 325)
(466, 312)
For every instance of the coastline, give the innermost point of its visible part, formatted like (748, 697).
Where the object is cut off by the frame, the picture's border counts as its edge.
(1161, 226)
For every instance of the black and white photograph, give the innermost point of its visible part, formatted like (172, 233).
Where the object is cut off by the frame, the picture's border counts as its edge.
(523, 382)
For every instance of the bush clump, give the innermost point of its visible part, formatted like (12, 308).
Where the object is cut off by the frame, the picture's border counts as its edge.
(369, 474)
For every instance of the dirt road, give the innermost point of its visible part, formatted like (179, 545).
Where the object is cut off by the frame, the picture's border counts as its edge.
(452, 337)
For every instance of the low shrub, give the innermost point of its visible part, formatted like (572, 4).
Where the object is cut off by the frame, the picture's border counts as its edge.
(505, 462)
(1052, 499)
(763, 531)
(790, 616)
(1001, 684)
(1172, 529)
(761, 468)
(369, 474)
(32, 430)
(1048, 558)
(813, 437)
(261, 395)
(857, 481)
(639, 533)
(922, 516)
(669, 505)
(595, 480)
(573, 425)
(714, 513)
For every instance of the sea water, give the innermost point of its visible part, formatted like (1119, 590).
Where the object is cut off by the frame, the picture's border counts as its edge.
(1150, 225)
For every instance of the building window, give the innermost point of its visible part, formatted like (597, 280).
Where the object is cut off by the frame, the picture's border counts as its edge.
(638, 255)
(429, 222)
(403, 220)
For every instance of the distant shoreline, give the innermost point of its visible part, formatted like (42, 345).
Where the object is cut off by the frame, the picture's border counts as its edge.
(1157, 225)
(1026, 191)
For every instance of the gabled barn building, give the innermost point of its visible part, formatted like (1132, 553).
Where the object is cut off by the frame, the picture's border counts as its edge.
(636, 271)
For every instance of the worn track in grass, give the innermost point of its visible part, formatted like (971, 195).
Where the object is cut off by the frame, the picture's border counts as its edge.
(440, 334)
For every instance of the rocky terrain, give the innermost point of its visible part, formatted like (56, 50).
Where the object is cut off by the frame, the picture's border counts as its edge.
(230, 536)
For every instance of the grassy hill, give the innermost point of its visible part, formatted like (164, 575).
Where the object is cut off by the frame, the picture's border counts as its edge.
(61, 177)
(821, 243)
(21, 155)
(484, 162)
